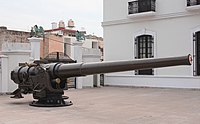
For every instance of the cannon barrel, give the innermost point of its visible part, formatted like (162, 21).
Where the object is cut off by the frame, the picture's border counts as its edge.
(47, 81)
(83, 69)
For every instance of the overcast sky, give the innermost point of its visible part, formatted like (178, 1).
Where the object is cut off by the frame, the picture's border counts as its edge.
(24, 14)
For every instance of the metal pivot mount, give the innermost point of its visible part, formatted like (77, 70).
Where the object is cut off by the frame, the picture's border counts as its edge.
(52, 101)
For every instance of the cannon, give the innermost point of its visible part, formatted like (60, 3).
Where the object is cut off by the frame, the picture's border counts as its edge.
(47, 81)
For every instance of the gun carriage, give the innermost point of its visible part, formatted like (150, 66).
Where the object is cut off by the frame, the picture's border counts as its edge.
(47, 81)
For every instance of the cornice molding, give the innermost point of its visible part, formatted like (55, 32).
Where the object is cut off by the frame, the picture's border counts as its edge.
(193, 8)
(151, 18)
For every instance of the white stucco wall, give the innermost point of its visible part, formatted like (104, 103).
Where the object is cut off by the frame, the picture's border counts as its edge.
(14, 58)
(88, 43)
(117, 9)
(15, 53)
(173, 38)
(172, 27)
(4, 74)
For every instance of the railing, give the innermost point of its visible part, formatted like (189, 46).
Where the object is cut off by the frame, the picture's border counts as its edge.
(193, 2)
(141, 6)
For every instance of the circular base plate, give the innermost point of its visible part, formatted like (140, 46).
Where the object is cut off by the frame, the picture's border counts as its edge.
(38, 104)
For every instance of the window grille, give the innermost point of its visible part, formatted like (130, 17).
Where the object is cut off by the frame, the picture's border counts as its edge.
(196, 39)
(144, 49)
(141, 6)
(193, 2)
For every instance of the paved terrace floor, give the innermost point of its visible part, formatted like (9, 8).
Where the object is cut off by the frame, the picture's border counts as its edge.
(109, 105)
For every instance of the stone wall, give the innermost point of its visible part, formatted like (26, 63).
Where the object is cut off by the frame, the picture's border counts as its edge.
(13, 36)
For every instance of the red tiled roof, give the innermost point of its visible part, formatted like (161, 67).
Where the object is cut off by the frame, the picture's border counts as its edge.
(60, 29)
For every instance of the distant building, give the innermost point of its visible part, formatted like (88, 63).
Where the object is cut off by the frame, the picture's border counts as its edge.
(7, 35)
(51, 43)
(60, 39)
(94, 42)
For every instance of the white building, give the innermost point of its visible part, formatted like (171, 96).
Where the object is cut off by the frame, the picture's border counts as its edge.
(153, 29)
(91, 43)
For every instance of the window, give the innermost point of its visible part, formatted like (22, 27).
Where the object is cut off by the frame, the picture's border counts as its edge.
(144, 49)
(141, 6)
(94, 45)
(67, 46)
(197, 54)
(193, 2)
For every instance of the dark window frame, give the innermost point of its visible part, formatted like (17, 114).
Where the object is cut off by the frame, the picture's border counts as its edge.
(144, 45)
(141, 6)
(65, 48)
(193, 2)
(196, 38)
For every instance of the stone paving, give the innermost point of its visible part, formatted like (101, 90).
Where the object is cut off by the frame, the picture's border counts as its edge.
(109, 105)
